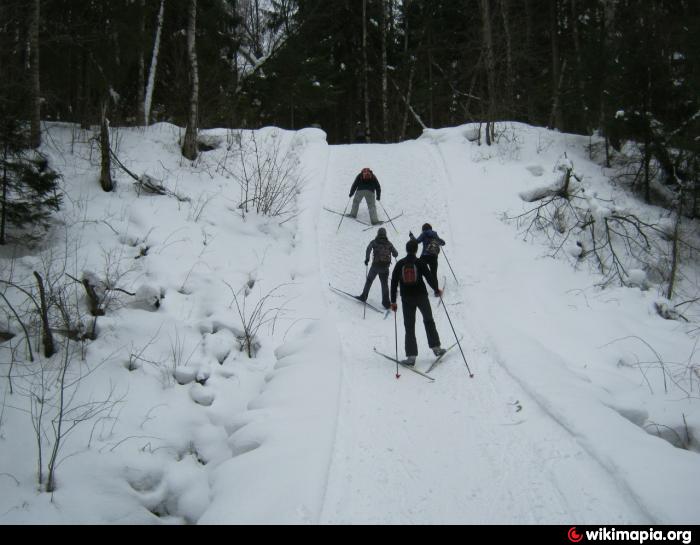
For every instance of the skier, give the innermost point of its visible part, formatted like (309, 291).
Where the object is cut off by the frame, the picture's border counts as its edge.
(382, 250)
(409, 272)
(364, 187)
(359, 133)
(431, 247)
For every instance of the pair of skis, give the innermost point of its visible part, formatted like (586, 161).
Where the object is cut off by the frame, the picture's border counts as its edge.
(412, 368)
(369, 226)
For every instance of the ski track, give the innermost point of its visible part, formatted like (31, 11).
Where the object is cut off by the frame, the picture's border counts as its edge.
(457, 450)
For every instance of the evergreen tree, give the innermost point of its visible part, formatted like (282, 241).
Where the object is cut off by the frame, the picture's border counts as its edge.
(28, 188)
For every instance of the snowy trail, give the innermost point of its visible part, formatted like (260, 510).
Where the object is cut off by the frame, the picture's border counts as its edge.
(458, 450)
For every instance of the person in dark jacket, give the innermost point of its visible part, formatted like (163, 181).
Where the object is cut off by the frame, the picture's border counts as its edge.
(409, 273)
(360, 137)
(431, 247)
(382, 250)
(364, 187)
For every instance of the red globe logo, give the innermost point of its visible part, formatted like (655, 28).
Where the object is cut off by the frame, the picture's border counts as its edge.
(574, 536)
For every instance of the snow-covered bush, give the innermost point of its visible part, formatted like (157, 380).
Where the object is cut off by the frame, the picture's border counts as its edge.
(623, 246)
(267, 173)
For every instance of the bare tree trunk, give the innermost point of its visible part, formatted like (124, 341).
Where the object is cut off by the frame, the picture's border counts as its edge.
(490, 64)
(409, 90)
(556, 120)
(154, 65)
(579, 66)
(258, 31)
(412, 68)
(47, 337)
(608, 20)
(3, 204)
(85, 92)
(431, 119)
(106, 170)
(675, 253)
(385, 74)
(141, 76)
(531, 112)
(409, 108)
(189, 147)
(35, 117)
(510, 82)
(365, 70)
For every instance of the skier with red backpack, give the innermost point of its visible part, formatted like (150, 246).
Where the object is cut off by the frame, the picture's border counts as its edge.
(382, 250)
(409, 273)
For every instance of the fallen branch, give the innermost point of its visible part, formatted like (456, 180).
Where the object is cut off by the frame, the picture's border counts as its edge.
(148, 183)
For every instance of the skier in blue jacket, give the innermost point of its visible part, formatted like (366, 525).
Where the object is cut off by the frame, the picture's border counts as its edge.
(431, 247)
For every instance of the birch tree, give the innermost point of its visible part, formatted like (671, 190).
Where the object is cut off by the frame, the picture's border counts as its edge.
(490, 66)
(148, 99)
(141, 75)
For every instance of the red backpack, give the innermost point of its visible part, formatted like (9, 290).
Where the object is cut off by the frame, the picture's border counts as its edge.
(409, 274)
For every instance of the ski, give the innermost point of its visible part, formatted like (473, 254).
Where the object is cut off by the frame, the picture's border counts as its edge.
(345, 215)
(383, 222)
(351, 296)
(439, 358)
(409, 367)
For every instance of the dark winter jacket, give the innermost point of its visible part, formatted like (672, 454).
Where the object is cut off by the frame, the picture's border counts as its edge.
(425, 238)
(375, 245)
(360, 184)
(419, 287)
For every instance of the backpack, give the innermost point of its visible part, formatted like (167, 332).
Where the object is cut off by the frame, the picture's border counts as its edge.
(432, 247)
(409, 274)
(382, 253)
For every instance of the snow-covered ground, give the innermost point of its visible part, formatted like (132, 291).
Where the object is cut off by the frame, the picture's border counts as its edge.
(558, 425)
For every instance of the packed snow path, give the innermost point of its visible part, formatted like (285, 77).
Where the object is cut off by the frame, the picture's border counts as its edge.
(458, 450)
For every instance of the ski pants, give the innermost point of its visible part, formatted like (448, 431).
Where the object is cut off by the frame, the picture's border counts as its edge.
(409, 305)
(371, 205)
(383, 272)
(432, 262)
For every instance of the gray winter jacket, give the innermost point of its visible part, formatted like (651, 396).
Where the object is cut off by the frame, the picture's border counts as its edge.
(379, 246)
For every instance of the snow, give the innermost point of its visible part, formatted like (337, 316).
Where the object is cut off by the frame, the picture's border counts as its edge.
(580, 400)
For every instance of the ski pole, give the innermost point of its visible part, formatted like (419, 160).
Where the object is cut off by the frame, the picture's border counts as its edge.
(396, 342)
(343, 216)
(450, 266)
(364, 306)
(388, 217)
(471, 375)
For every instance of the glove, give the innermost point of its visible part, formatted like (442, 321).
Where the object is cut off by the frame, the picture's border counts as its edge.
(366, 262)
(393, 307)
(410, 234)
(350, 195)
(438, 292)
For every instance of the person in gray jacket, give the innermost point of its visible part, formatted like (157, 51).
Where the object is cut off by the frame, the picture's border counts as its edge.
(381, 250)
